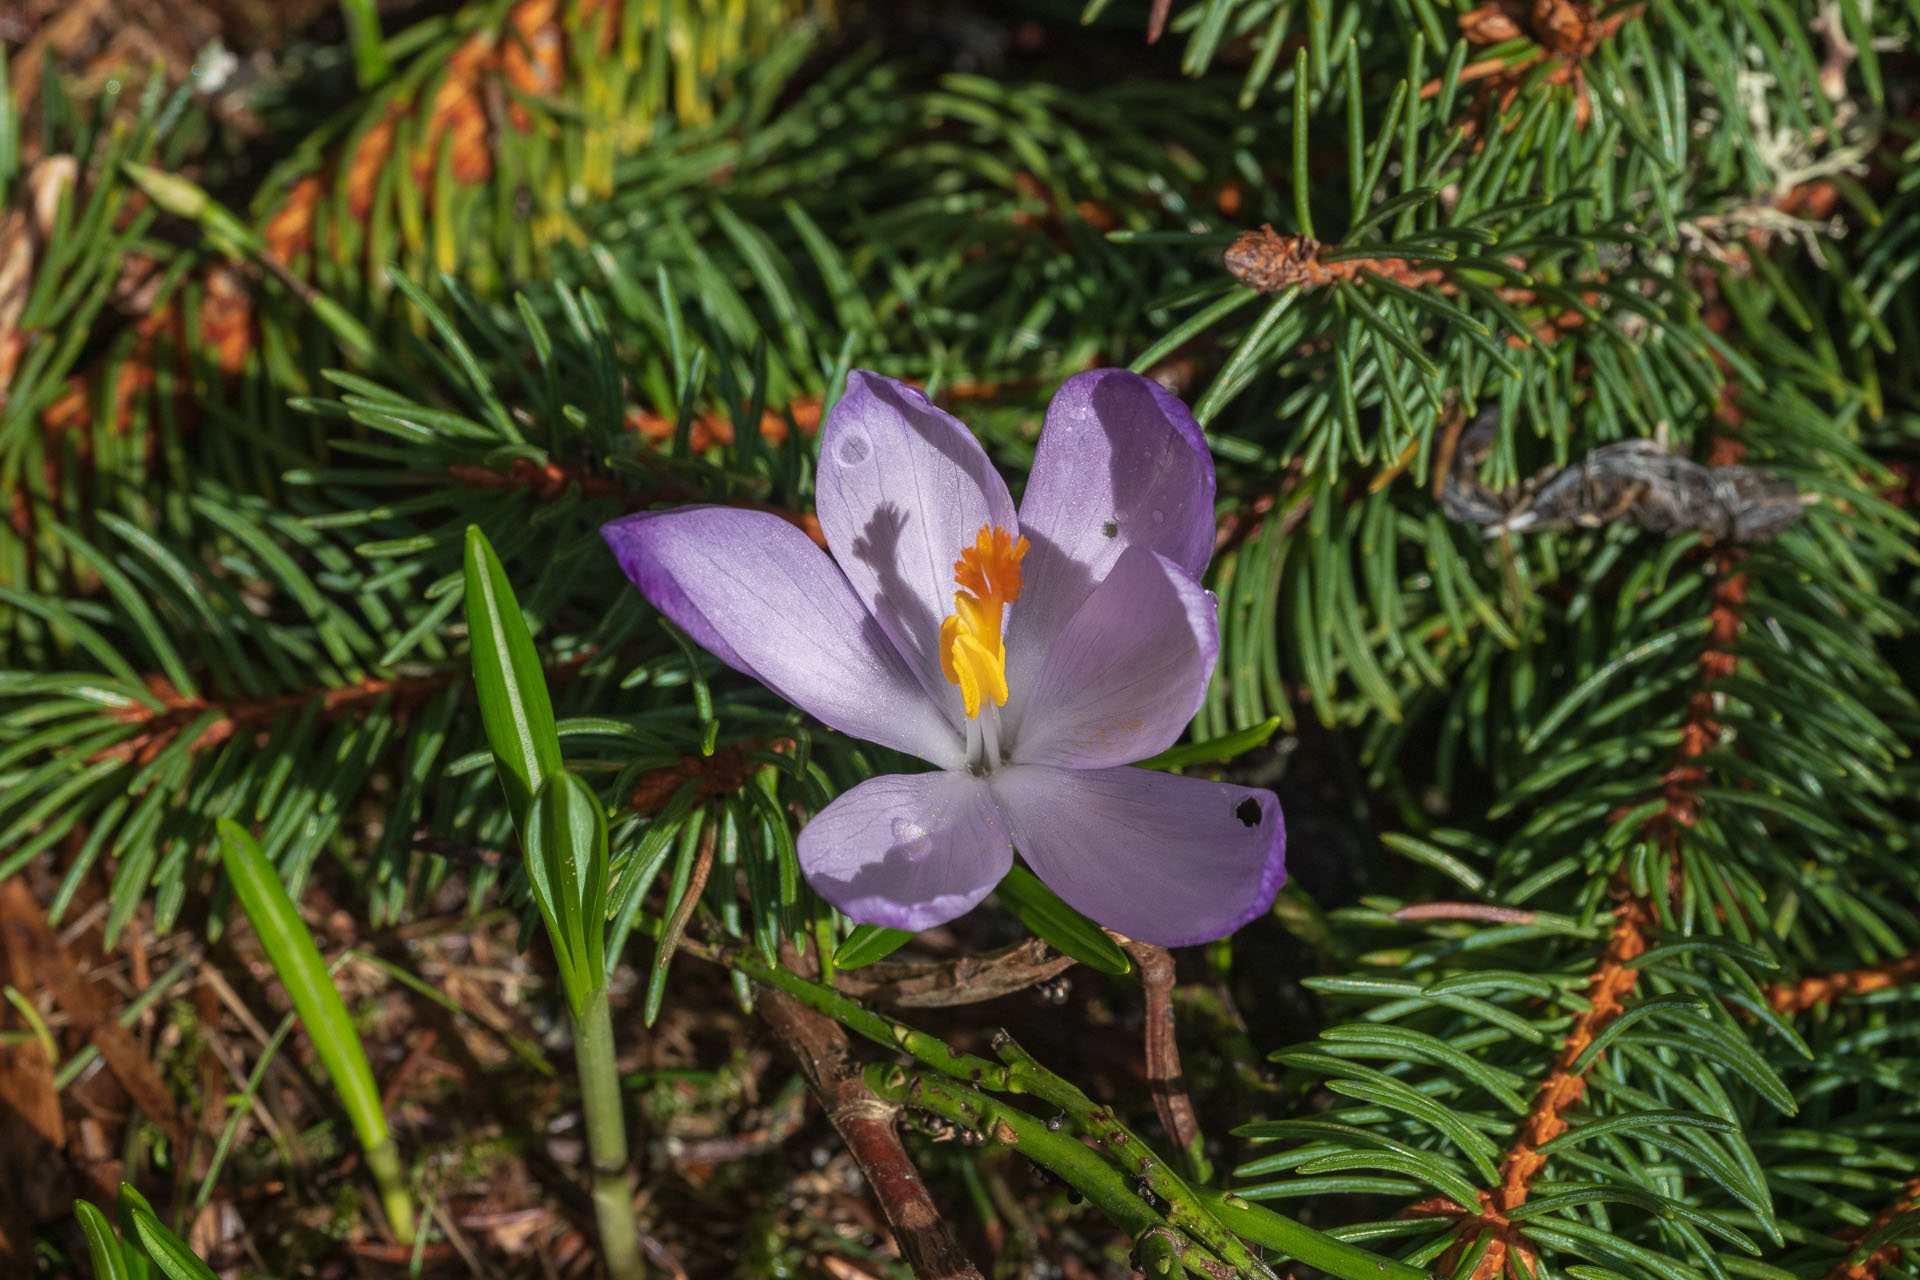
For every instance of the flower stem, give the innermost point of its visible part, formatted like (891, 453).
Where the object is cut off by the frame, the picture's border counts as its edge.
(383, 1162)
(606, 1137)
(1124, 1147)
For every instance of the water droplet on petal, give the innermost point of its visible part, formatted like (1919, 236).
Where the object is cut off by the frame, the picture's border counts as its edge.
(853, 450)
(1159, 517)
(911, 839)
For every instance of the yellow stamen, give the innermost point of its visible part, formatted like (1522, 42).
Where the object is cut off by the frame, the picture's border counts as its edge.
(971, 655)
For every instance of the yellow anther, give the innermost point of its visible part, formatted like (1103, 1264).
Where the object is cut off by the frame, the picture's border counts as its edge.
(971, 655)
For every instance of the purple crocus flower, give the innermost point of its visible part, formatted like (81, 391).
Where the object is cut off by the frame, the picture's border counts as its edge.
(1029, 657)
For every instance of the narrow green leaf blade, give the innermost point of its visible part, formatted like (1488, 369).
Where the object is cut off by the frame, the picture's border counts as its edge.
(513, 688)
(1059, 925)
(868, 943)
(103, 1247)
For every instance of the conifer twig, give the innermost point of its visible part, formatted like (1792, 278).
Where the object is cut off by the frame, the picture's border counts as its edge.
(1819, 989)
(866, 1124)
(1164, 1076)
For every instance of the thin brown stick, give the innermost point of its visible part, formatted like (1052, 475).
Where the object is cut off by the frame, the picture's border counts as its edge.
(1164, 1076)
(1485, 911)
(1157, 20)
(968, 979)
(866, 1125)
(696, 885)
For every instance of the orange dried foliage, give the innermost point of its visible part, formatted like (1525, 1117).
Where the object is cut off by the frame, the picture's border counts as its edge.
(1051, 223)
(715, 428)
(1869, 1268)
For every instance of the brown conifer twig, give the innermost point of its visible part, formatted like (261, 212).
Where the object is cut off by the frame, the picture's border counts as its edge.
(1819, 989)
(1164, 1076)
(1616, 975)
(158, 729)
(1489, 912)
(866, 1125)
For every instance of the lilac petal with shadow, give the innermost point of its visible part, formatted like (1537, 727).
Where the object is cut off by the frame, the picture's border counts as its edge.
(1125, 675)
(755, 592)
(1120, 464)
(902, 488)
(1156, 856)
(908, 851)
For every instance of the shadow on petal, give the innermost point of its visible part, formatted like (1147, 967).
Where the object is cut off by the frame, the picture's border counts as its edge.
(908, 851)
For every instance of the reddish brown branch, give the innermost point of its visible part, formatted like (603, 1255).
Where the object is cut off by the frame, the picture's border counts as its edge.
(1164, 1076)
(1614, 979)
(1483, 911)
(866, 1125)
(1819, 989)
(159, 728)
(1269, 261)
(1507, 1250)
(1869, 1267)
(554, 480)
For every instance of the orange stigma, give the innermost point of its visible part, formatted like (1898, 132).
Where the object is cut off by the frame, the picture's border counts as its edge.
(971, 655)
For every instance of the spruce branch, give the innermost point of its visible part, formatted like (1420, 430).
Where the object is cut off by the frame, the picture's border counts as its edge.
(1507, 1251)
(1815, 990)
(868, 1126)
(1162, 1052)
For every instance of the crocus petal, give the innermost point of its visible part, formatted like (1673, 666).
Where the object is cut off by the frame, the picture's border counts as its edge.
(907, 851)
(755, 592)
(902, 488)
(1125, 675)
(1120, 464)
(1156, 856)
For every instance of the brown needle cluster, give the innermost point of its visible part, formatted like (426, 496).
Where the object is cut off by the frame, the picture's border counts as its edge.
(1563, 31)
(1269, 261)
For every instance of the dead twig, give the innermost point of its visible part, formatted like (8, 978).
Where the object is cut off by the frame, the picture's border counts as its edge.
(1485, 911)
(1636, 481)
(866, 1125)
(969, 979)
(1164, 1076)
(1819, 989)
